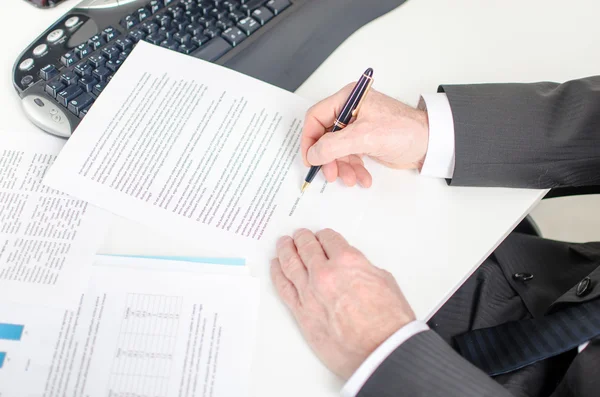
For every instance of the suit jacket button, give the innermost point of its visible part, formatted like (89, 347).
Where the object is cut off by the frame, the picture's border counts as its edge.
(584, 287)
(522, 277)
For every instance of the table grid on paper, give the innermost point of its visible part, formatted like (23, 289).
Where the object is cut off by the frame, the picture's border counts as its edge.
(145, 348)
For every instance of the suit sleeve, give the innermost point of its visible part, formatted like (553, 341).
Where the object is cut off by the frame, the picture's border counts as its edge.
(541, 135)
(426, 366)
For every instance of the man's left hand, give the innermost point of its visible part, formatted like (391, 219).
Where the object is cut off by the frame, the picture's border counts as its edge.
(345, 306)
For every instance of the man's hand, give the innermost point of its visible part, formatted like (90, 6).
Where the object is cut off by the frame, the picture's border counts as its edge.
(386, 130)
(345, 306)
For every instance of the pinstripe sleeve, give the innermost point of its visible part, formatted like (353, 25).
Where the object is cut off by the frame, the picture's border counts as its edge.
(425, 365)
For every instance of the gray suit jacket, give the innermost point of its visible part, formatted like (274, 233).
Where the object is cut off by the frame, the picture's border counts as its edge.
(542, 135)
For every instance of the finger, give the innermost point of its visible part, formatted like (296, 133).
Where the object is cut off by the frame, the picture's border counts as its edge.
(332, 242)
(347, 173)
(284, 287)
(335, 145)
(291, 264)
(309, 248)
(330, 171)
(320, 117)
(362, 174)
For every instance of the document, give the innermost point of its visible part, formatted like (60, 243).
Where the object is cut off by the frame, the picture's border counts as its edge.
(139, 333)
(175, 142)
(47, 239)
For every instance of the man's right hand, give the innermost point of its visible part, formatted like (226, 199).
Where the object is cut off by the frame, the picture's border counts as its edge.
(386, 130)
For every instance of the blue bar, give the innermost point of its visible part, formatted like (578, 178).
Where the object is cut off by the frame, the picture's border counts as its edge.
(2, 357)
(194, 259)
(11, 331)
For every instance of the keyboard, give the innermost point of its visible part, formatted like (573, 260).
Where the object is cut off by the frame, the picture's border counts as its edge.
(60, 75)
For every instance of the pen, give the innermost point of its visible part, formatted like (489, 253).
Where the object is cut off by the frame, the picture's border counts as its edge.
(350, 110)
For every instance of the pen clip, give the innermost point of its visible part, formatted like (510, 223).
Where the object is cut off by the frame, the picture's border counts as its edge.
(355, 111)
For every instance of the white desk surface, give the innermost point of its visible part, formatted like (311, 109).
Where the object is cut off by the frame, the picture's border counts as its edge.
(430, 236)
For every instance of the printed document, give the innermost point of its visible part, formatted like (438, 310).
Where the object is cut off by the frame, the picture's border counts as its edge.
(175, 142)
(134, 333)
(47, 239)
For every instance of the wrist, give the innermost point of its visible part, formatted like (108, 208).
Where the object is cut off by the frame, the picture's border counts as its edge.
(421, 136)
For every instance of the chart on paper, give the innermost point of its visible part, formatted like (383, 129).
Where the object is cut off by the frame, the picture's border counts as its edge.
(146, 346)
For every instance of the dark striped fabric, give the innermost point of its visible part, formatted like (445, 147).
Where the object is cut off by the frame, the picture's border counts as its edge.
(510, 346)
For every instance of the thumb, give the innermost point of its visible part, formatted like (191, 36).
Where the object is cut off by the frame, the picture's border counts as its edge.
(335, 145)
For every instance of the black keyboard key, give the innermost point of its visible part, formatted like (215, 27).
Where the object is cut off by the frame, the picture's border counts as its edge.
(48, 71)
(205, 7)
(124, 54)
(149, 27)
(175, 12)
(83, 69)
(155, 6)
(98, 88)
(129, 21)
(113, 65)
(54, 87)
(96, 60)
(69, 58)
(81, 102)
(101, 73)
(262, 15)
(187, 48)
(218, 13)
(182, 38)
(234, 36)
(180, 24)
(163, 20)
(124, 44)
(225, 24)
(168, 32)
(248, 26)
(143, 13)
(213, 50)
(200, 40)
(189, 5)
(69, 78)
(193, 16)
(231, 5)
(276, 6)
(170, 44)
(110, 33)
(212, 32)
(194, 29)
(83, 112)
(136, 35)
(83, 50)
(71, 92)
(237, 16)
(167, 2)
(111, 52)
(96, 42)
(155, 38)
(251, 5)
(206, 21)
(87, 83)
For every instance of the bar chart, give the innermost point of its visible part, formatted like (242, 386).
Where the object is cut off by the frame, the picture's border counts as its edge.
(11, 331)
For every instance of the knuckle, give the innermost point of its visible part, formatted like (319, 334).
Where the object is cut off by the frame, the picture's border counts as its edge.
(350, 256)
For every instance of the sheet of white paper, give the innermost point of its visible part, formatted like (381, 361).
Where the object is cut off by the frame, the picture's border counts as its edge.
(179, 143)
(135, 333)
(170, 265)
(47, 239)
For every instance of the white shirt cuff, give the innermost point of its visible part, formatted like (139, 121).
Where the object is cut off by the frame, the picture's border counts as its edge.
(439, 161)
(364, 372)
